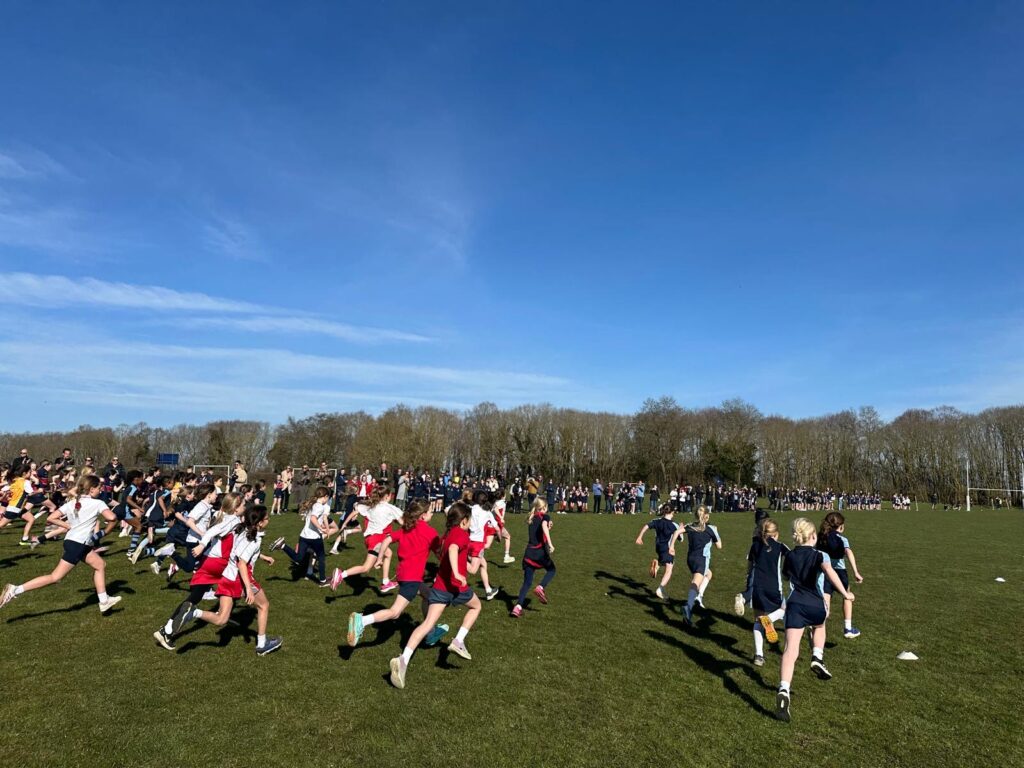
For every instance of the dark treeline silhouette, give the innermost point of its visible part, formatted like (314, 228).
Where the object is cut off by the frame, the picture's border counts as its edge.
(921, 452)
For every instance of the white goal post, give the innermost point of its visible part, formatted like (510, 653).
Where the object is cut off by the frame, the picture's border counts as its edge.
(1009, 491)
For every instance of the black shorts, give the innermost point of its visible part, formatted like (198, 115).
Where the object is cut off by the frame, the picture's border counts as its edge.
(122, 512)
(697, 563)
(537, 557)
(841, 573)
(766, 600)
(443, 597)
(664, 558)
(409, 589)
(37, 498)
(75, 552)
(800, 615)
(14, 514)
(155, 519)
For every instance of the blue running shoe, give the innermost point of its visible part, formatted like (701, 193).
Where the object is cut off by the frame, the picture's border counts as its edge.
(851, 633)
(435, 635)
(355, 629)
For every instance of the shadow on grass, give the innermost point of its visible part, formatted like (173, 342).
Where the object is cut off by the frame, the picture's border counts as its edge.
(9, 562)
(239, 625)
(117, 587)
(383, 634)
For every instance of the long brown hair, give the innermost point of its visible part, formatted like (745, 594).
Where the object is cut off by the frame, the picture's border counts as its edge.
(457, 512)
(378, 494)
(412, 515)
(251, 520)
(831, 523)
(318, 493)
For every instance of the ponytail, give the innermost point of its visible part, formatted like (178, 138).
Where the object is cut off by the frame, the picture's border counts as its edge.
(412, 515)
(539, 507)
(378, 494)
(251, 519)
(84, 486)
(228, 504)
(766, 528)
(702, 516)
(318, 493)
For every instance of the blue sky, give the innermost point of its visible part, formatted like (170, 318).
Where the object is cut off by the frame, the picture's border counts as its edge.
(255, 210)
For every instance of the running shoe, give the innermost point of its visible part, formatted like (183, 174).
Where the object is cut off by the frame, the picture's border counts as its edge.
(278, 544)
(8, 595)
(508, 559)
(458, 647)
(759, 661)
(163, 640)
(355, 629)
(111, 602)
(739, 605)
(492, 593)
(210, 594)
(272, 644)
(769, 629)
(336, 579)
(541, 594)
(659, 593)
(181, 617)
(24, 543)
(155, 567)
(851, 633)
(137, 553)
(782, 706)
(36, 541)
(517, 612)
(398, 667)
(434, 636)
(387, 586)
(171, 570)
(123, 533)
(818, 667)
(700, 602)
(654, 567)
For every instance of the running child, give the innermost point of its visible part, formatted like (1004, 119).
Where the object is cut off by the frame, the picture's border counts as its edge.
(666, 532)
(128, 510)
(80, 518)
(450, 588)
(317, 513)
(379, 516)
(482, 527)
(18, 505)
(699, 539)
(157, 512)
(765, 579)
(237, 582)
(499, 514)
(416, 539)
(832, 542)
(539, 548)
(806, 568)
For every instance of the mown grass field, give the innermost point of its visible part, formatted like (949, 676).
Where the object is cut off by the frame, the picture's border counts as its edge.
(606, 675)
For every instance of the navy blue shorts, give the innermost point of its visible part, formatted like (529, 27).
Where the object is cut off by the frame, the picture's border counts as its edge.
(14, 514)
(841, 573)
(697, 563)
(800, 615)
(74, 552)
(155, 519)
(409, 589)
(122, 512)
(664, 558)
(766, 600)
(443, 597)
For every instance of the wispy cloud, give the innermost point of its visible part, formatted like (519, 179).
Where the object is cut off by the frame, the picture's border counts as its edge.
(204, 310)
(28, 164)
(230, 237)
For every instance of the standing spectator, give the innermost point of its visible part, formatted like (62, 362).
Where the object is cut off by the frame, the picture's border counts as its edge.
(402, 495)
(551, 493)
(89, 468)
(384, 476)
(340, 488)
(115, 471)
(287, 478)
(640, 491)
(302, 485)
(597, 490)
(239, 476)
(654, 497)
(609, 498)
(532, 486)
(64, 463)
(20, 462)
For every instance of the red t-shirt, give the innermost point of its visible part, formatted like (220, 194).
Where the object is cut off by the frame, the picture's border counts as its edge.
(414, 548)
(460, 538)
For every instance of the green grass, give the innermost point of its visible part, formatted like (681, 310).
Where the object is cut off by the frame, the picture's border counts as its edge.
(605, 675)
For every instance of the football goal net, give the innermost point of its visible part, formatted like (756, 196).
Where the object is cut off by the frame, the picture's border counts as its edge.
(995, 497)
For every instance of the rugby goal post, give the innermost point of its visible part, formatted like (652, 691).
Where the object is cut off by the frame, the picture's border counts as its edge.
(1010, 491)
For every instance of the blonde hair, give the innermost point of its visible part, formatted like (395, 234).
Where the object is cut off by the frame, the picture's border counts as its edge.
(702, 516)
(803, 531)
(228, 504)
(539, 506)
(767, 529)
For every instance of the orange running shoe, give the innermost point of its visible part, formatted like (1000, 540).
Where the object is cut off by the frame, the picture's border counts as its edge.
(769, 629)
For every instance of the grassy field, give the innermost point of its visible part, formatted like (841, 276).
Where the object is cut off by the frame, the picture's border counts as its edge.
(606, 674)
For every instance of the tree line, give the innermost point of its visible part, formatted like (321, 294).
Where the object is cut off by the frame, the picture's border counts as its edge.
(920, 452)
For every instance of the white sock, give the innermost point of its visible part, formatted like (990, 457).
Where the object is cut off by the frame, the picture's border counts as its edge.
(818, 653)
(103, 596)
(758, 639)
(784, 685)
(19, 589)
(165, 550)
(692, 597)
(703, 586)
(407, 654)
(460, 636)
(196, 613)
(367, 619)
(777, 615)
(848, 623)
(343, 575)
(167, 627)
(261, 640)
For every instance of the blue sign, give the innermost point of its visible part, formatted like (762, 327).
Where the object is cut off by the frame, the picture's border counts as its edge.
(167, 458)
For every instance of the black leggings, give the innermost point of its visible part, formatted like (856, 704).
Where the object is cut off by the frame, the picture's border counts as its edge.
(308, 547)
(528, 571)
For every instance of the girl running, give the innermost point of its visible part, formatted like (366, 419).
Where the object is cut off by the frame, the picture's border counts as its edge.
(765, 563)
(80, 542)
(503, 534)
(666, 533)
(832, 542)
(699, 538)
(416, 539)
(317, 511)
(450, 588)
(157, 512)
(482, 526)
(18, 506)
(538, 555)
(379, 517)
(806, 568)
(236, 582)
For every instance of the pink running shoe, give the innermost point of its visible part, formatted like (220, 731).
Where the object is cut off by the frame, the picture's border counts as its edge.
(517, 612)
(387, 586)
(541, 595)
(336, 579)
